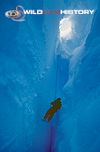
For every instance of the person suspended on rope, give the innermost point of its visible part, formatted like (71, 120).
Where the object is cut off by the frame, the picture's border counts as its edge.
(55, 105)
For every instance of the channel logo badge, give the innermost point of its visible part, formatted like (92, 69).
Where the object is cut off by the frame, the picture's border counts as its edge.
(17, 14)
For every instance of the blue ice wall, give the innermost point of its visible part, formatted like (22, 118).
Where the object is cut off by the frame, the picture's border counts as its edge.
(27, 80)
(34, 71)
(79, 124)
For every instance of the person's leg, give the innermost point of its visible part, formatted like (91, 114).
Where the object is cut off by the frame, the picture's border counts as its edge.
(50, 117)
(47, 115)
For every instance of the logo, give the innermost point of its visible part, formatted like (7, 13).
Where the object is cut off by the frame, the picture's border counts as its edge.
(19, 13)
(16, 15)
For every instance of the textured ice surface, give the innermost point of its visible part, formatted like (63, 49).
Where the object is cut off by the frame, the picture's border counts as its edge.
(35, 68)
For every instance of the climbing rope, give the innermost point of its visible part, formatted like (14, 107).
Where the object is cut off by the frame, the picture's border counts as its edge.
(56, 80)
